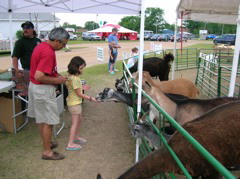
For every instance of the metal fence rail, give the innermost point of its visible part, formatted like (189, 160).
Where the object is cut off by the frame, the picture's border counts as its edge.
(207, 84)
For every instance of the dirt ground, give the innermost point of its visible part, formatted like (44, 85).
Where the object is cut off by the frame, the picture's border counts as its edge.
(110, 149)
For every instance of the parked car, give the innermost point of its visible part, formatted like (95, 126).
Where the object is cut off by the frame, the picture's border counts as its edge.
(228, 39)
(73, 36)
(92, 37)
(163, 37)
(155, 37)
(179, 38)
(84, 34)
(147, 36)
(211, 36)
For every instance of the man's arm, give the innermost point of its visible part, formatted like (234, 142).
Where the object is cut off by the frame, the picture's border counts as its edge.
(15, 63)
(43, 78)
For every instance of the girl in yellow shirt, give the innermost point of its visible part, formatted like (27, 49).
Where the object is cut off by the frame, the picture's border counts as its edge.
(74, 100)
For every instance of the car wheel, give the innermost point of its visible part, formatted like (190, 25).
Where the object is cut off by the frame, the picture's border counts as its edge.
(229, 43)
(215, 42)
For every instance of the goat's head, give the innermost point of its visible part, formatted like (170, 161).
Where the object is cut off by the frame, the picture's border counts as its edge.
(106, 95)
(139, 129)
(119, 85)
(145, 78)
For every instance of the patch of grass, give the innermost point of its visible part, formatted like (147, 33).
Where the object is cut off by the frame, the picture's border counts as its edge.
(201, 46)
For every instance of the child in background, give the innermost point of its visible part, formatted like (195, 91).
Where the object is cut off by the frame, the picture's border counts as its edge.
(134, 58)
(74, 101)
(112, 56)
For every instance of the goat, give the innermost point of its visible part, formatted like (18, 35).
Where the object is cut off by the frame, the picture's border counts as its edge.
(108, 95)
(182, 110)
(155, 66)
(111, 95)
(177, 86)
(216, 130)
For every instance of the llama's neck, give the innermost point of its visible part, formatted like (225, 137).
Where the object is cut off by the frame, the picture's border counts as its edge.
(156, 162)
(124, 97)
(167, 104)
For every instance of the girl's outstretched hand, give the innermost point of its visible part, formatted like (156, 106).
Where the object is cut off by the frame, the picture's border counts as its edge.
(93, 99)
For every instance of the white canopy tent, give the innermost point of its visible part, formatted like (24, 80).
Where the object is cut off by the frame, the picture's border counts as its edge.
(83, 6)
(216, 11)
(109, 29)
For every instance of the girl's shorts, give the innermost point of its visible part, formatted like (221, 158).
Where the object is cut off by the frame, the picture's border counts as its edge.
(76, 109)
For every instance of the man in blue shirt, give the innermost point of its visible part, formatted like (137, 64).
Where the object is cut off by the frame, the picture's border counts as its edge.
(113, 38)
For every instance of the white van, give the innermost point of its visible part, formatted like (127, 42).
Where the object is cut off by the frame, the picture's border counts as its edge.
(147, 34)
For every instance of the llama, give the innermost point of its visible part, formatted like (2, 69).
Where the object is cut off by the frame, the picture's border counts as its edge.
(216, 130)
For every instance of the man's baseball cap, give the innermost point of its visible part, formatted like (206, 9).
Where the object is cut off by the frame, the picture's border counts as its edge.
(27, 24)
(114, 29)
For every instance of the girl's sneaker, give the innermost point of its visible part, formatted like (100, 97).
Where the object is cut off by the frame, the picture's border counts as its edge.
(112, 73)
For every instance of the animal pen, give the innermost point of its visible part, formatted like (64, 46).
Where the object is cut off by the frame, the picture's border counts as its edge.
(213, 77)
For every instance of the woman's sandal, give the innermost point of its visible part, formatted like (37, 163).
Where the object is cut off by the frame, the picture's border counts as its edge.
(55, 156)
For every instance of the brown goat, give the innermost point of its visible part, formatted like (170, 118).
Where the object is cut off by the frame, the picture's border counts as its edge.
(178, 86)
(217, 130)
(182, 110)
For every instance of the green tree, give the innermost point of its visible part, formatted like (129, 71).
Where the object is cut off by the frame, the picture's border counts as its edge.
(131, 22)
(67, 25)
(169, 26)
(212, 28)
(91, 25)
(19, 34)
(194, 26)
(154, 19)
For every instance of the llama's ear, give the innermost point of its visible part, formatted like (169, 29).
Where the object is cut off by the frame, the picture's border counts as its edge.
(143, 118)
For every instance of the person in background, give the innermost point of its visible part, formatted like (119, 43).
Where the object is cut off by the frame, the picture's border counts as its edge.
(112, 57)
(74, 101)
(24, 47)
(134, 58)
(113, 38)
(42, 89)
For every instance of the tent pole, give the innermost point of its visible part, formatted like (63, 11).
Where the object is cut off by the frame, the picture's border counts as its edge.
(235, 58)
(140, 68)
(175, 47)
(10, 24)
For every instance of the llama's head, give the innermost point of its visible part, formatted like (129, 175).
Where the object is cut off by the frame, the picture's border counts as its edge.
(168, 57)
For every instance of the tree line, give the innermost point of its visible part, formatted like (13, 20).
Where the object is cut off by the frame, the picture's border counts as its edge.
(155, 22)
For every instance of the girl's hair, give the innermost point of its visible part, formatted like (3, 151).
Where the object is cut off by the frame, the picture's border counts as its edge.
(75, 63)
(134, 49)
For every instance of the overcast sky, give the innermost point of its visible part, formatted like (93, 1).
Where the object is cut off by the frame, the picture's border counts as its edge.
(169, 7)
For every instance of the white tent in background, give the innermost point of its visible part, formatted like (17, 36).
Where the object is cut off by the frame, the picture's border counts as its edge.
(216, 11)
(106, 30)
(109, 29)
